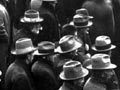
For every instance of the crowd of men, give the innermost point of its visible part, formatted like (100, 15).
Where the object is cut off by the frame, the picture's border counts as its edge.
(59, 44)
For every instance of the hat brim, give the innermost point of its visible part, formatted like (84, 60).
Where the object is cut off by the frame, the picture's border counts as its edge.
(90, 23)
(95, 49)
(23, 20)
(59, 50)
(14, 52)
(111, 66)
(85, 73)
(37, 53)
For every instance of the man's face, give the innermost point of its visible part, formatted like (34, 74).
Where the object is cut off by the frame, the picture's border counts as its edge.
(30, 57)
(36, 28)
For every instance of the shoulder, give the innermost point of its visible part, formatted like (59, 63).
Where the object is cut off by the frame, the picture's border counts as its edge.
(91, 85)
(14, 71)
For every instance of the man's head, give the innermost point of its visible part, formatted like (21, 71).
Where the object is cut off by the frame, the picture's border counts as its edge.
(73, 72)
(31, 21)
(24, 49)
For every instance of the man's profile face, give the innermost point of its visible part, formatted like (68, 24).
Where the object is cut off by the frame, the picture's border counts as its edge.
(36, 28)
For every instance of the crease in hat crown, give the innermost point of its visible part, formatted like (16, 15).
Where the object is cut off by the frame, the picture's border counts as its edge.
(68, 43)
(73, 70)
(23, 46)
(103, 43)
(31, 16)
(101, 61)
(45, 48)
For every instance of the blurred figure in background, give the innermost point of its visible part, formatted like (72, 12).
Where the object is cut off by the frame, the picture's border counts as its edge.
(103, 21)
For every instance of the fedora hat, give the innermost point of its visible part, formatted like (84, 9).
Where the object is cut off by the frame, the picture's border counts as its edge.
(101, 61)
(73, 70)
(23, 46)
(81, 21)
(45, 48)
(31, 16)
(83, 12)
(103, 43)
(68, 43)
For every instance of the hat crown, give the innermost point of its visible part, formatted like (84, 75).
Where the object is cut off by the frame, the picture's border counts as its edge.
(73, 69)
(31, 13)
(23, 43)
(46, 47)
(68, 42)
(100, 61)
(23, 46)
(102, 40)
(31, 16)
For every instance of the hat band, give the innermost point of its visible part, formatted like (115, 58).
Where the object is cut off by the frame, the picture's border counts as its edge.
(103, 47)
(81, 23)
(32, 16)
(46, 51)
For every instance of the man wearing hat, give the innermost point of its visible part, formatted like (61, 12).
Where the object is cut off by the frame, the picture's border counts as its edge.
(103, 76)
(50, 30)
(70, 47)
(18, 75)
(42, 69)
(73, 76)
(103, 44)
(81, 21)
(31, 27)
(103, 22)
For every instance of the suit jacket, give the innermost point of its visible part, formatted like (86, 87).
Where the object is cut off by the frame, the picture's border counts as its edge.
(44, 76)
(67, 86)
(103, 80)
(50, 25)
(18, 77)
(93, 85)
